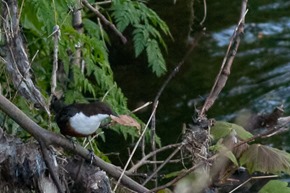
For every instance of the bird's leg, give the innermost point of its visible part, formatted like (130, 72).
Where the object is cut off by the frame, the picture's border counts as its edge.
(92, 156)
(71, 139)
(90, 150)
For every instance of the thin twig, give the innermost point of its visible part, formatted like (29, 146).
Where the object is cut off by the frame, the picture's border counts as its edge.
(161, 161)
(163, 164)
(137, 144)
(141, 162)
(253, 178)
(104, 20)
(34, 56)
(142, 107)
(225, 69)
(170, 77)
(270, 133)
(56, 37)
(204, 13)
(104, 2)
(182, 175)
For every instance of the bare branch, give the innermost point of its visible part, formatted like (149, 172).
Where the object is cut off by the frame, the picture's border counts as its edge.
(143, 160)
(105, 21)
(56, 37)
(52, 168)
(253, 178)
(137, 144)
(49, 138)
(182, 175)
(163, 164)
(224, 72)
(15, 56)
(170, 77)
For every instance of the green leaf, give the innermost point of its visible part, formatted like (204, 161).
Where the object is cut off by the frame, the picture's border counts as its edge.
(146, 34)
(232, 157)
(140, 38)
(273, 185)
(265, 159)
(155, 58)
(166, 190)
(225, 151)
(173, 174)
(222, 129)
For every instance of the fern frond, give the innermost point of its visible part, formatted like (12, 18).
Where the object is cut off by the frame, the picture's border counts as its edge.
(155, 57)
(140, 38)
(125, 13)
(146, 35)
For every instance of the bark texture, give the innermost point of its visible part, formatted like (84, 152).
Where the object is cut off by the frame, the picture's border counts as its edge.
(22, 169)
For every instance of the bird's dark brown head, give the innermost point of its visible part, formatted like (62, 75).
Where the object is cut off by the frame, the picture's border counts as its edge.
(56, 104)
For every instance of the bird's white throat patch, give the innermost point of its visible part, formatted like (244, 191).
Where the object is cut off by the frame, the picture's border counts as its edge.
(86, 125)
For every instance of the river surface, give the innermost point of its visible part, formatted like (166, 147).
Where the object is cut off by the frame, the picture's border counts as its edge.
(260, 76)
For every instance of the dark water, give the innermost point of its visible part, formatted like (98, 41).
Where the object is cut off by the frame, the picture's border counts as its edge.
(260, 77)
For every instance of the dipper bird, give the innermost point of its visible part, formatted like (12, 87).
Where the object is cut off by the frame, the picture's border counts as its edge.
(79, 119)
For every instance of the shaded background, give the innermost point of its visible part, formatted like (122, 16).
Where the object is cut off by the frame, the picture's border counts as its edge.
(259, 80)
(260, 75)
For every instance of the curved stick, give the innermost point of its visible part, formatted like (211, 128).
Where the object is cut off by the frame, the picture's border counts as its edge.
(47, 138)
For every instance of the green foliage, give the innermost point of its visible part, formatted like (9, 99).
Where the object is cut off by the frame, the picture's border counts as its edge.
(265, 159)
(146, 36)
(173, 174)
(221, 129)
(95, 79)
(166, 190)
(225, 151)
(273, 185)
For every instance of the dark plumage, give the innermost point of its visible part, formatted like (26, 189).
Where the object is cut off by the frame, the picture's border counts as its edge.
(79, 119)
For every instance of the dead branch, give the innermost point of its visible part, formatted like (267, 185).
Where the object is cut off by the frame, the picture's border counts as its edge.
(105, 21)
(253, 178)
(23, 167)
(179, 177)
(163, 164)
(77, 23)
(166, 82)
(56, 37)
(225, 69)
(52, 167)
(217, 87)
(14, 55)
(49, 138)
(137, 144)
(135, 167)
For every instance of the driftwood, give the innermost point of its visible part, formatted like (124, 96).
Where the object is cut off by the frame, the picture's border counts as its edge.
(46, 138)
(15, 56)
(23, 169)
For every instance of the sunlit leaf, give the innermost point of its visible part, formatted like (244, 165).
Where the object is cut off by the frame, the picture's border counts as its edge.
(232, 157)
(195, 182)
(166, 190)
(173, 174)
(226, 152)
(274, 185)
(265, 159)
(222, 129)
(126, 120)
